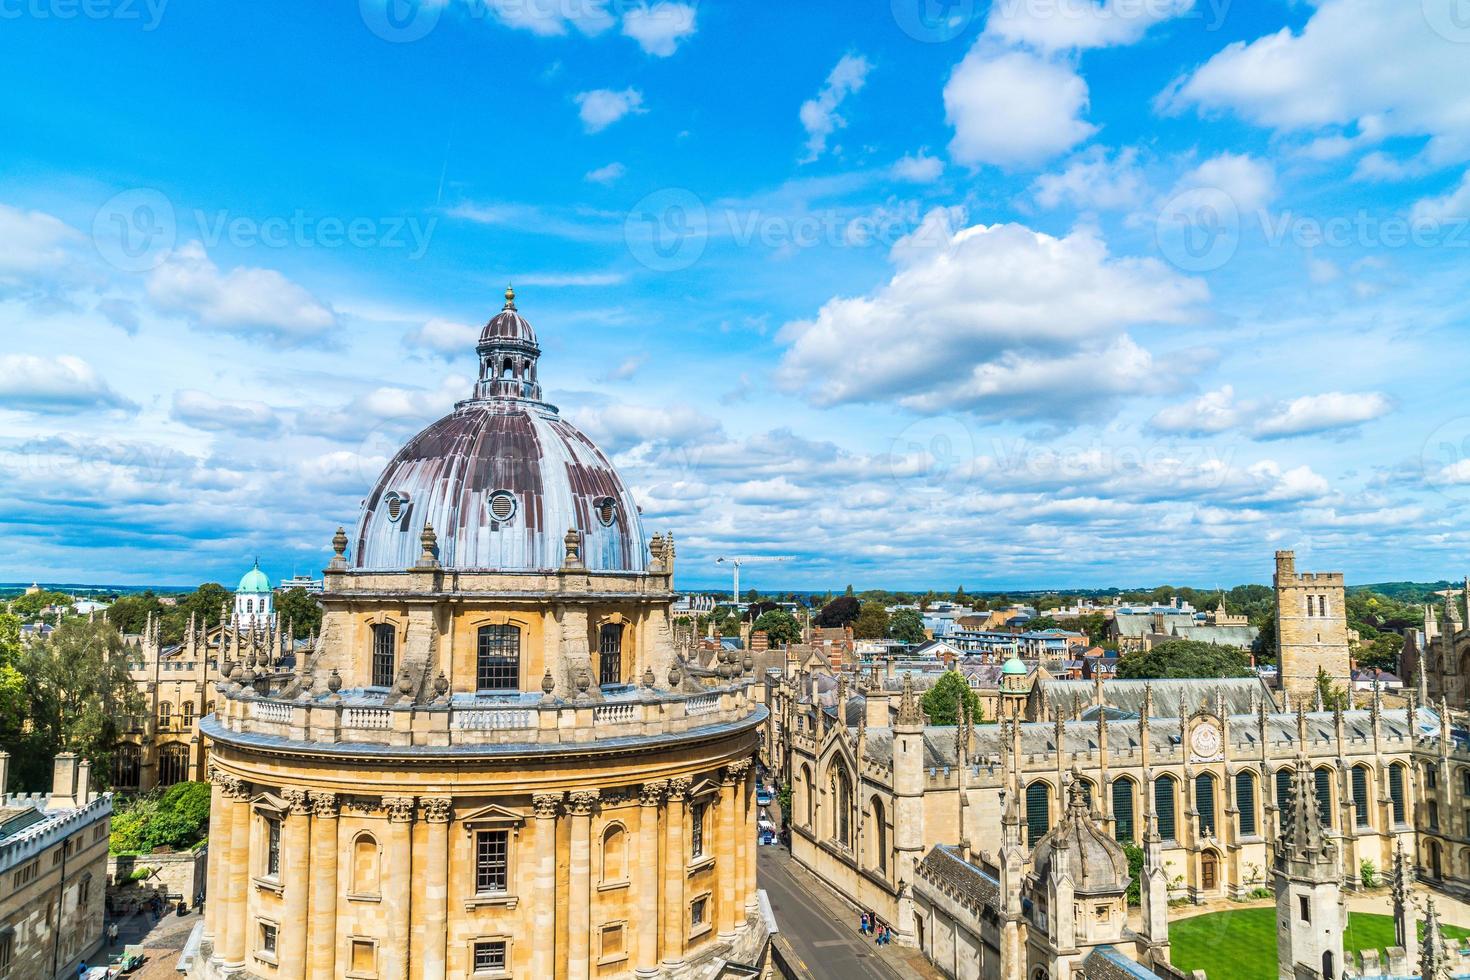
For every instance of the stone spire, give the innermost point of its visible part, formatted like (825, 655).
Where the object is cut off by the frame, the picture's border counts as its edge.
(1400, 881)
(1434, 957)
(909, 713)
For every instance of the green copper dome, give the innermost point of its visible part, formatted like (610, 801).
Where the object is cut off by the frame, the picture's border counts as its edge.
(254, 581)
(1013, 666)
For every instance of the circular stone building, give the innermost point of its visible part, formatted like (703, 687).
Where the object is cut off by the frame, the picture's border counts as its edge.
(493, 764)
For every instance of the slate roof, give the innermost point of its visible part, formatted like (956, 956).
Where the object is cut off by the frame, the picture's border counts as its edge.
(1127, 695)
(959, 878)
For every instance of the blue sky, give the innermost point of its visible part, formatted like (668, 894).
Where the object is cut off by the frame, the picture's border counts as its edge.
(912, 292)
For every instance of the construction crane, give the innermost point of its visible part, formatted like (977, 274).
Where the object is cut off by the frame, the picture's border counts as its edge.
(746, 560)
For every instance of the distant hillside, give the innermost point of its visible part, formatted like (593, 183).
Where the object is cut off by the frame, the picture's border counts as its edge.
(1406, 591)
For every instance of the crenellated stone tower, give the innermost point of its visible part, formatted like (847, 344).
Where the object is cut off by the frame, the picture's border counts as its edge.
(1311, 627)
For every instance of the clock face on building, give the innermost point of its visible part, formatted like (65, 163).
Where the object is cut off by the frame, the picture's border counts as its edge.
(1204, 741)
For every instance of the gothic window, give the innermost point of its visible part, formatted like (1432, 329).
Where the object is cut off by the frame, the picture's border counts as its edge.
(809, 791)
(614, 854)
(1204, 802)
(1038, 812)
(1123, 809)
(1164, 806)
(1433, 815)
(383, 650)
(165, 714)
(173, 764)
(1322, 780)
(610, 649)
(492, 861)
(1396, 790)
(1431, 776)
(1360, 795)
(1465, 781)
(1245, 801)
(1283, 794)
(880, 838)
(125, 765)
(365, 865)
(842, 818)
(498, 658)
(186, 714)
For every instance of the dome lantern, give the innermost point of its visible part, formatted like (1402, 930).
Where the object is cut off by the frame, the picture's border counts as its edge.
(508, 354)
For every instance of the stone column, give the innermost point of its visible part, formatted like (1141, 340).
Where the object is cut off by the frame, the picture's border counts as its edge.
(745, 830)
(237, 876)
(579, 883)
(676, 929)
(321, 952)
(398, 885)
(725, 847)
(219, 836)
(543, 950)
(645, 880)
(295, 884)
(436, 887)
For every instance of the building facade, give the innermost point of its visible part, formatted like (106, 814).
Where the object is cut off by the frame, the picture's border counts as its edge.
(1311, 627)
(492, 763)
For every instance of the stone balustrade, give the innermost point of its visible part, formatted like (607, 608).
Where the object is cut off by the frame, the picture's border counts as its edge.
(479, 723)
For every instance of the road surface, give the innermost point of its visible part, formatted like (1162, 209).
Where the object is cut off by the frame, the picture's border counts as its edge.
(825, 937)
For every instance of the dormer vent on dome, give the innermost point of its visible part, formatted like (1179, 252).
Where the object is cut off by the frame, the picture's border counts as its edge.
(508, 354)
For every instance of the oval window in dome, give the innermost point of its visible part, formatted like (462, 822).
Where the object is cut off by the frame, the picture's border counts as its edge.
(607, 511)
(397, 504)
(502, 505)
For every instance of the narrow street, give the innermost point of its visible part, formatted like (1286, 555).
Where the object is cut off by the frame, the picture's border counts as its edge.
(825, 938)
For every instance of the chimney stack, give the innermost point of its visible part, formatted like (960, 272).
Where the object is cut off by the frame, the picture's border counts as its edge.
(4, 773)
(84, 782)
(63, 782)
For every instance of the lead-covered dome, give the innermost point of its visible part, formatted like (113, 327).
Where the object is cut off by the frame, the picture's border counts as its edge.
(502, 479)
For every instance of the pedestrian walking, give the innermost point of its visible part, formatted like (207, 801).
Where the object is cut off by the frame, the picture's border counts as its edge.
(864, 924)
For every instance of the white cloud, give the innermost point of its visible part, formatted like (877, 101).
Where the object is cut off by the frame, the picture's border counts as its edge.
(1372, 65)
(1249, 182)
(244, 300)
(549, 18)
(204, 411)
(1454, 206)
(1094, 181)
(602, 107)
(610, 174)
(34, 241)
(819, 115)
(1014, 108)
(976, 317)
(919, 168)
(625, 370)
(62, 385)
(562, 279)
(1079, 23)
(1334, 410)
(617, 427)
(445, 337)
(659, 28)
(1212, 412)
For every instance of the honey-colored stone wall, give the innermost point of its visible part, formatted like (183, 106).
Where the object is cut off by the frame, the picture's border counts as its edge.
(1311, 627)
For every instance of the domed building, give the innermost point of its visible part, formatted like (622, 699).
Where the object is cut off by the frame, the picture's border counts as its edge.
(253, 600)
(493, 763)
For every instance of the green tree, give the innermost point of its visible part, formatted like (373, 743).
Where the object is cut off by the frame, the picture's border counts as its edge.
(177, 817)
(80, 694)
(942, 701)
(1333, 697)
(840, 611)
(1184, 658)
(1043, 623)
(1095, 625)
(1134, 854)
(130, 613)
(871, 623)
(781, 627)
(907, 625)
(31, 605)
(301, 610)
(1264, 646)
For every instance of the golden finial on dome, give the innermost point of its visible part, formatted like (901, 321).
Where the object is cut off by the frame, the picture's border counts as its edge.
(510, 297)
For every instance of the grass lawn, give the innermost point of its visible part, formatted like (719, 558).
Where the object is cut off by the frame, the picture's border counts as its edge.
(1241, 944)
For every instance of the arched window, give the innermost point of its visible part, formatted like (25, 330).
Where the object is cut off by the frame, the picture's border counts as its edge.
(1123, 809)
(1245, 801)
(1164, 806)
(1396, 790)
(1283, 795)
(810, 792)
(165, 714)
(879, 858)
(186, 714)
(1038, 811)
(365, 865)
(1204, 802)
(498, 658)
(614, 854)
(610, 649)
(1361, 811)
(842, 815)
(1435, 869)
(209, 707)
(125, 765)
(1322, 782)
(173, 764)
(1433, 815)
(384, 641)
